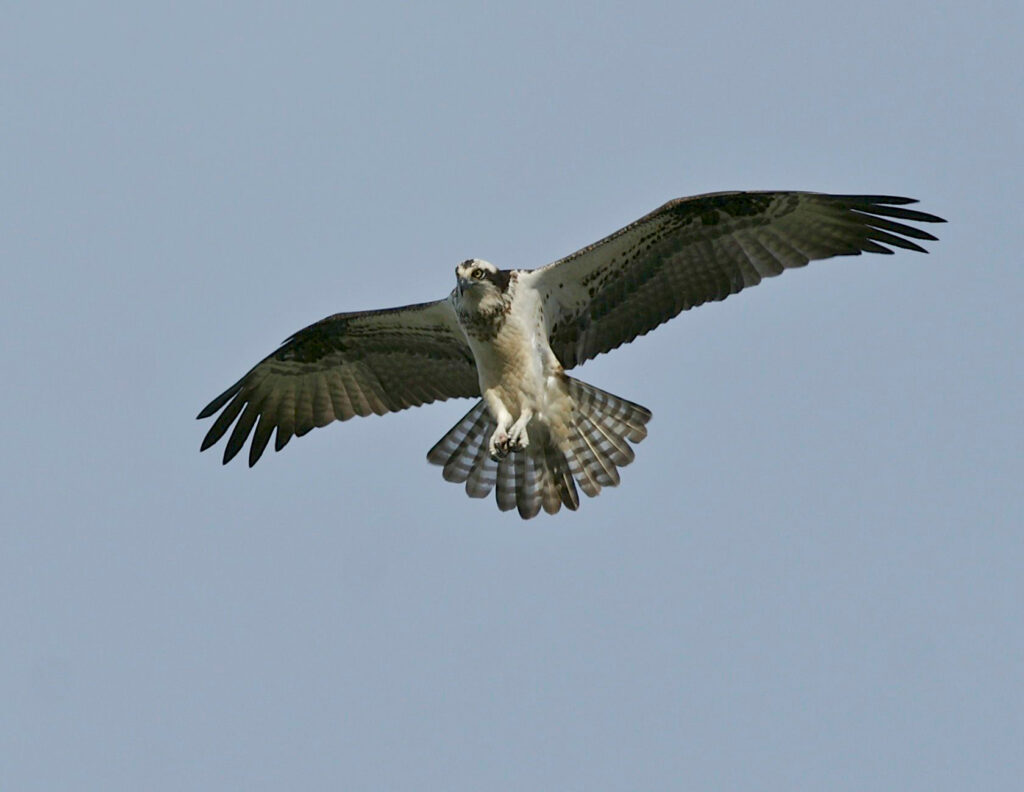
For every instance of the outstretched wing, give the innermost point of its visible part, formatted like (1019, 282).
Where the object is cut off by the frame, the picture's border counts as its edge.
(345, 365)
(693, 250)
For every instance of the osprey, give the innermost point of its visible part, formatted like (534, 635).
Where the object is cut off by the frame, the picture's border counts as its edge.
(507, 337)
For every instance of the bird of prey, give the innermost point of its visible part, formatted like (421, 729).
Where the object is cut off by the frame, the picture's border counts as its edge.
(507, 337)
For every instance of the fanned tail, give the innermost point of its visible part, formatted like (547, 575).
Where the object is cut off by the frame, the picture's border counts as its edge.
(604, 426)
(463, 452)
(593, 444)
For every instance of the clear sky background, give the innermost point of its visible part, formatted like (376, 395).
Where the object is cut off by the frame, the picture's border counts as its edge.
(810, 578)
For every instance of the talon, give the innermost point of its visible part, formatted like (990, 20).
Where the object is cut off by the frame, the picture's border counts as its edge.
(499, 446)
(518, 440)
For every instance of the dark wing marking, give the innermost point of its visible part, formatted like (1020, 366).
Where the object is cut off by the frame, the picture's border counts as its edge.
(693, 250)
(345, 365)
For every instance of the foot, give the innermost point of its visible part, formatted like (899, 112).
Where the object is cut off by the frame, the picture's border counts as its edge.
(517, 437)
(499, 445)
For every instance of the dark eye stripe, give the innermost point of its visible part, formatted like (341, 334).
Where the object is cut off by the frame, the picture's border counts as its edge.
(499, 278)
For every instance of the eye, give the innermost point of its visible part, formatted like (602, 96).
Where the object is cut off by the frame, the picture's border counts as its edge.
(478, 274)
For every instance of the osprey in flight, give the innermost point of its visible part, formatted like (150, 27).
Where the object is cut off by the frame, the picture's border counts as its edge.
(507, 337)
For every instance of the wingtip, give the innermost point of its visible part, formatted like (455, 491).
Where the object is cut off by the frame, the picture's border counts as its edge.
(859, 198)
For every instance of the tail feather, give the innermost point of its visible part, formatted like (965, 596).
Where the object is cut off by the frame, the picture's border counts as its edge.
(464, 458)
(463, 452)
(622, 417)
(531, 485)
(562, 488)
(506, 491)
(481, 481)
(584, 475)
(457, 449)
(528, 486)
(593, 445)
(606, 442)
(589, 445)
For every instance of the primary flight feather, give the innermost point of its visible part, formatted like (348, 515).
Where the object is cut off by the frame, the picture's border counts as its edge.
(508, 336)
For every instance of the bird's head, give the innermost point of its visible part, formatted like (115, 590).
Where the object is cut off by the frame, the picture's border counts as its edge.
(478, 283)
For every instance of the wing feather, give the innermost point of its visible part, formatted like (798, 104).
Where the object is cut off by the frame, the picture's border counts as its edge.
(304, 395)
(260, 438)
(241, 431)
(695, 250)
(284, 417)
(345, 365)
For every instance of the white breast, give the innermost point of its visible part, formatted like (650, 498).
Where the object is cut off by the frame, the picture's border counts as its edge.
(515, 362)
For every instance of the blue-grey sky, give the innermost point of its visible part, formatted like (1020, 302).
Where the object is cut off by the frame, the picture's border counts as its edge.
(810, 578)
